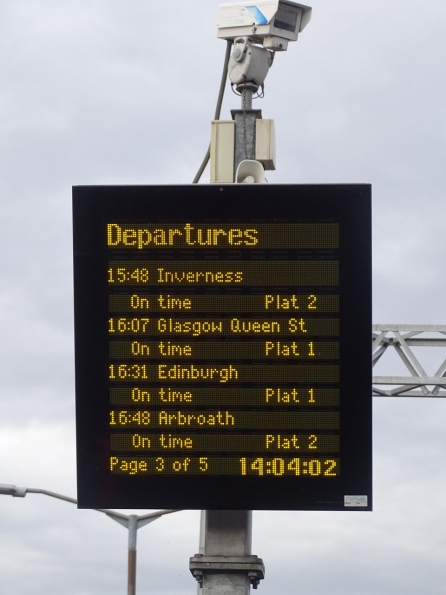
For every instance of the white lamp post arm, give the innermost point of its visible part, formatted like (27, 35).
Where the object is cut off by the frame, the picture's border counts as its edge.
(132, 522)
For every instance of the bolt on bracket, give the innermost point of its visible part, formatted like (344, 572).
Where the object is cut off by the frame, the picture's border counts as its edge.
(250, 565)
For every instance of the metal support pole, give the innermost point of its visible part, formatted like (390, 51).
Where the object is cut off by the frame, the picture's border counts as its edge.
(247, 93)
(227, 567)
(133, 533)
(224, 564)
(133, 522)
(245, 126)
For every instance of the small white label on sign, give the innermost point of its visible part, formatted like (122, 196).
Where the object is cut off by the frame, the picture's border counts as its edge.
(355, 500)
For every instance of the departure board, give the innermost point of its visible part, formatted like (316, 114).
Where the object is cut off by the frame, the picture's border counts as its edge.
(222, 346)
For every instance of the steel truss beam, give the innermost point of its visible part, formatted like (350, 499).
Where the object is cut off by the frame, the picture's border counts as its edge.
(401, 337)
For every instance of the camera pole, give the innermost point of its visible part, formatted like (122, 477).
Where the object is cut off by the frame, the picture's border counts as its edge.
(245, 125)
(225, 565)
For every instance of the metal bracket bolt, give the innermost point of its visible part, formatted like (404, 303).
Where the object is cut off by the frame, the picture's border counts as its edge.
(252, 566)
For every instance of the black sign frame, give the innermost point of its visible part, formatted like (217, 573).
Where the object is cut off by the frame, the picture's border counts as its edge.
(96, 206)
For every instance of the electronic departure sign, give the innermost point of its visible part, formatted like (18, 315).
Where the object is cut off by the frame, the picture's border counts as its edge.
(222, 338)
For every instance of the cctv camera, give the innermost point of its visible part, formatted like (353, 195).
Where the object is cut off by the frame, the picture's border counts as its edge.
(271, 23)
(249, 63)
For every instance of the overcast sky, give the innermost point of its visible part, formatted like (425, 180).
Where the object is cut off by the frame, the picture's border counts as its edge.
(114, 92)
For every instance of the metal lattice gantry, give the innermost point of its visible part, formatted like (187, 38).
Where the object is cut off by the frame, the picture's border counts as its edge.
(402, 339)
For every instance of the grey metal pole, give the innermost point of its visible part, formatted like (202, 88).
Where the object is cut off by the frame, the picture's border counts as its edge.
(247, 93)
(228, 533)
(245, 125)
(201, 546)
(133, 532)
(133, 522)
(224, 564)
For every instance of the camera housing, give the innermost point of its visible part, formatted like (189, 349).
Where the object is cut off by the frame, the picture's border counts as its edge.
(271, 23)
